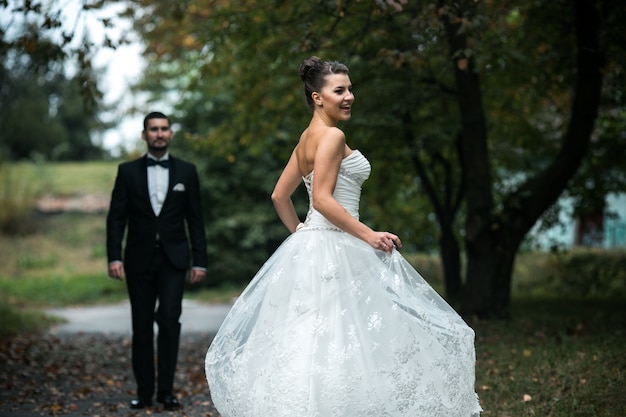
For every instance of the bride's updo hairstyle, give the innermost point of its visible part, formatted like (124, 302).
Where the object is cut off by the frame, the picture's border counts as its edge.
(313, 72)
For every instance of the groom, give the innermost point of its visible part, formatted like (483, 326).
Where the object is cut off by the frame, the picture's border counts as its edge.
(157, 197)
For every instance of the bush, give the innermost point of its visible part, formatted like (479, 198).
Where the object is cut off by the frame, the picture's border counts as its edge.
(589, 273)
(17, 199)
(58, 291)
(17, 320)
(575, 273)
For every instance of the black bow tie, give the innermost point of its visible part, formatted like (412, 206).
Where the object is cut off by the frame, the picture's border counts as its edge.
(165, 163)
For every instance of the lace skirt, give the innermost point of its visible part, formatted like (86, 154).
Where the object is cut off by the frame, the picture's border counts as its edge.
(331, 327)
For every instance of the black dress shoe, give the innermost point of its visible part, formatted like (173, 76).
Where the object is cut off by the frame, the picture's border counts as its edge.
(139, 402)
(169, 401)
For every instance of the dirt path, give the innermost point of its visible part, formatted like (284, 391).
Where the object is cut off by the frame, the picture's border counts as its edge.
(89, 375)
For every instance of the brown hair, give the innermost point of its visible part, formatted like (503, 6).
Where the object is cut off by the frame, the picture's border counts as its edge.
(313, 72)
(154, 115)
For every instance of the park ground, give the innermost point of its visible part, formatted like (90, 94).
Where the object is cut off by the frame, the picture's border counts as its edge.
(89, 375)
(551, 358)
(558, 355)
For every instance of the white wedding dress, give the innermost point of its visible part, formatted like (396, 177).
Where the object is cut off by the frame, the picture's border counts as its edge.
(330, 327)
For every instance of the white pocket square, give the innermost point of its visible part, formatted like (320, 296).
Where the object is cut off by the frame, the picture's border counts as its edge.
(179, 187)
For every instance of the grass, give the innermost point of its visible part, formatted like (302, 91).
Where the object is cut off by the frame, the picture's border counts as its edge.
(71, 244)
(555, 357)
(50, 260)
(64, 263)
(22, 321)
(71, 178)
(58, 178)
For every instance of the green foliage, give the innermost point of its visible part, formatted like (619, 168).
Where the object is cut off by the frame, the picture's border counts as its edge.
(17, 198)
(234, 65)
(401, 72)
(602, 172)
(232, 68)
(15, 321)
(36, 261)
(588, 273)
(66, 290)
(44, 112)
(573, 273)
(75, 178)
(46, 118)
(22, 184)
(241, 224)
(242, 96)
(26, 124)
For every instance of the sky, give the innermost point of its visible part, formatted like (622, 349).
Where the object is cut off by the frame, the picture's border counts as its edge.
(121, 67)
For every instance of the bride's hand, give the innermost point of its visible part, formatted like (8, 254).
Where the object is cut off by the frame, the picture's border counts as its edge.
(385, 241)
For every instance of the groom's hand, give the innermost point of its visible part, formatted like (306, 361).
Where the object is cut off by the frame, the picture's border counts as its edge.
(116, 270)
(197, 275)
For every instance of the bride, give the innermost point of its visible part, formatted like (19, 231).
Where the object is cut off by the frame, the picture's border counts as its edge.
(337, 322)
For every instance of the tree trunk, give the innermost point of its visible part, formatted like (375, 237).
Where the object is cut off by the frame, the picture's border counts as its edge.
(445, 208)
(451, 261)
(524, 207)
(492, 240)
(479, 243)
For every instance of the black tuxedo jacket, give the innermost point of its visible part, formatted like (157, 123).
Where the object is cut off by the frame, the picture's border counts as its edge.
(179, 226)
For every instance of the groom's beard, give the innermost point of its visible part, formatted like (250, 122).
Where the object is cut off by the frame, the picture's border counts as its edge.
(158, 148)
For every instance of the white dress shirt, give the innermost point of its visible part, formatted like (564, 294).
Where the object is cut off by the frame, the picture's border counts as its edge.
(158, 181)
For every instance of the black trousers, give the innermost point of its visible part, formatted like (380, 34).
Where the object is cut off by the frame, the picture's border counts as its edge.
(165, 284)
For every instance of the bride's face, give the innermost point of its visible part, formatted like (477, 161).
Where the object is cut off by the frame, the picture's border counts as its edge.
(336, 97)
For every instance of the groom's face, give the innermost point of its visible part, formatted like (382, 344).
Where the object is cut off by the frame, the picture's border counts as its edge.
(157, 134)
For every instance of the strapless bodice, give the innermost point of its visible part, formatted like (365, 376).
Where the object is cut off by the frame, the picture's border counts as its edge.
(331, 327)
(353, 172)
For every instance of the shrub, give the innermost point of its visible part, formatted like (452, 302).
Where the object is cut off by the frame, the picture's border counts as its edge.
(575, 273)
(17, 199)
(589, 272)
(17, 320)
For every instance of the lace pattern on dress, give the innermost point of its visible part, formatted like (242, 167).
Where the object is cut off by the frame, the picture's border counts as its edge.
(330, 327)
